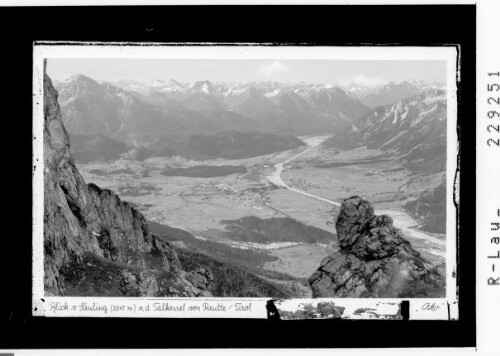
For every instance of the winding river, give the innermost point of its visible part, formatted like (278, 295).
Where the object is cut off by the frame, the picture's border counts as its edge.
(401, 220)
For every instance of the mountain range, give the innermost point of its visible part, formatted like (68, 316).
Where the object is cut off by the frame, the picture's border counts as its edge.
(135, 110)
(369, 95)
(385, 94)
(413, 128)
(166, 118)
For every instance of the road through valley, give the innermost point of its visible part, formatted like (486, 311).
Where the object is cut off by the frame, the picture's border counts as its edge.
(401, 220)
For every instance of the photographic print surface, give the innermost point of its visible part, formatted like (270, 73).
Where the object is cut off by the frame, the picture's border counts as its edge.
(249, 172)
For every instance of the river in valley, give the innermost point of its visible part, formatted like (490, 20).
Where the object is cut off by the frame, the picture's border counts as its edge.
(401, 220)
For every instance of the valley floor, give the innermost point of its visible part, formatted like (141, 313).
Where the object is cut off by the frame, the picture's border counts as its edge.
(306, 185)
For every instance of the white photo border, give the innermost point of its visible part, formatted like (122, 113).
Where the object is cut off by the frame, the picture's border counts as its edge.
(55, 306)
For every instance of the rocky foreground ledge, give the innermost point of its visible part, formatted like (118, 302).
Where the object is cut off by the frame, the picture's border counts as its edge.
(374, 260)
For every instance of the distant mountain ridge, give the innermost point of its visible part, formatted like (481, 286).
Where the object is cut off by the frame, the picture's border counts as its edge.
(234, 94)
(130, 108)
(90, 108)
(373, 96)
(414, 124)
(113, 108)
(369, 95)
(155, 117)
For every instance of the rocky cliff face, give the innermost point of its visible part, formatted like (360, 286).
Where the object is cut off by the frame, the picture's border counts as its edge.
(374, 260)
(86, 227)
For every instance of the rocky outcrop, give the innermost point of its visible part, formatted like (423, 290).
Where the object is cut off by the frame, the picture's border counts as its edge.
(374, 260)
(83, 222)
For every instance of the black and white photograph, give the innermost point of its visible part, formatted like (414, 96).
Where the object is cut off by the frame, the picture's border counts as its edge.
(231, 176)
(250, 172)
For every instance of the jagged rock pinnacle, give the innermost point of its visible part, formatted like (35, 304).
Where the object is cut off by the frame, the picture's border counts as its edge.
(374, 260)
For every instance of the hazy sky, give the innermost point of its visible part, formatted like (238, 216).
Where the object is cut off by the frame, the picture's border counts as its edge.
(309, 71)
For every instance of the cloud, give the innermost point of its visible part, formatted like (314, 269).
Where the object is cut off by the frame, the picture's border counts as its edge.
(273, 68)
(362, 79)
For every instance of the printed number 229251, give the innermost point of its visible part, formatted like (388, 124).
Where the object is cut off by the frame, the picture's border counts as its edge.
(494, 113)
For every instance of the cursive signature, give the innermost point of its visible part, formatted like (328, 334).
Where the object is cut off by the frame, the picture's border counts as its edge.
(430, 306)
